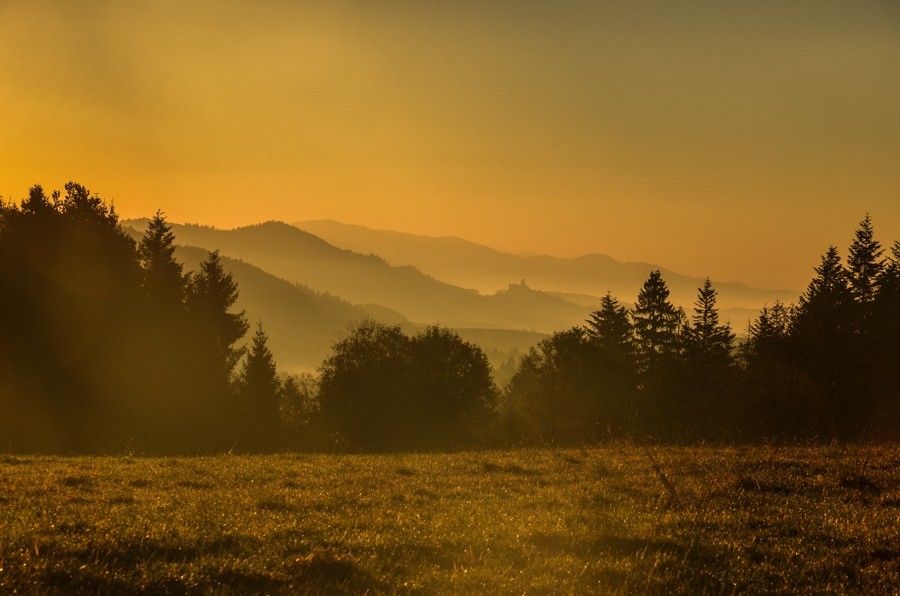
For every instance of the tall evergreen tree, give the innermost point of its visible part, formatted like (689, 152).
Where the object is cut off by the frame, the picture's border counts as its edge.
(889, 288)
(164, 282)
(657, 330)
(258, 395)
(826, 304)
(215, 330)
(864, 264)
(609, 327)
(656, 321)
(706, 378)
(776, 394)
(826, 346)
(885, 348)
(707, 339)
(171, 397)
(767, 334)
(611, 364)
(211, 295)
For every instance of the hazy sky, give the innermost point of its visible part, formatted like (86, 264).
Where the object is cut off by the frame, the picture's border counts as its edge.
(735, 139)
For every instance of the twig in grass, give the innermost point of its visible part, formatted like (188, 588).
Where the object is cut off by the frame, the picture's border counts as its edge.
(663, 479)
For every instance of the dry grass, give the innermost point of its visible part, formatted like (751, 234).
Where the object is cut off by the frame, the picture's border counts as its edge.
(746, 520)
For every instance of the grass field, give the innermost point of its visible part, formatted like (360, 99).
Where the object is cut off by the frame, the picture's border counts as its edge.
(608, 519)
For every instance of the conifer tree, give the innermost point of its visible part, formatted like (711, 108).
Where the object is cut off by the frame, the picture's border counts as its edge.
(212, 293)
(864, 264)
(888, 295)
(885, 349)
(825, 304)
(163, 279)
(609, 327)
(705, 381)
(707, 339)
(767, 335)
(826, 346)
(656, 321)
(169, 395)
(657, 330)
(258, 394)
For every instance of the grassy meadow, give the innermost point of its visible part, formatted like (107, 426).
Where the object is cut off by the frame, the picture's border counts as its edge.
(611, 519)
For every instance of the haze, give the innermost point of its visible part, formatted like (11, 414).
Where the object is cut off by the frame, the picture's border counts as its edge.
(736, 140)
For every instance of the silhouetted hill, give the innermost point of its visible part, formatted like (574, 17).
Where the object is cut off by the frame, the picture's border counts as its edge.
(301, 257)
(301, 324)
(468, 264)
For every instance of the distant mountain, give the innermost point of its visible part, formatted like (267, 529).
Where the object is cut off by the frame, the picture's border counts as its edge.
(298, 256)
(472, 265)
(308, 291)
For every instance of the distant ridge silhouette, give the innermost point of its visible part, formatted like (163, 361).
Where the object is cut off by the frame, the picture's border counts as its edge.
(469, 264)
(297, 256)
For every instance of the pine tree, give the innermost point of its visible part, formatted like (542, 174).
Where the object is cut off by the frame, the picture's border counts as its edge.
(169, 397)
(609, 327)
(826, 346)
(706, 338)
(212, 292)
(768, 334)
(864, 264)
(164, 282)
(657, 331)
(889, 280)
(258, 394)
(828, 298)
(656, 321)
(884, 340)
(706, 377)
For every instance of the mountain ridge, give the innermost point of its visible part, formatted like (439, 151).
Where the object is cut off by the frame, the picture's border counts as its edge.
(298, 256)
(469, 264)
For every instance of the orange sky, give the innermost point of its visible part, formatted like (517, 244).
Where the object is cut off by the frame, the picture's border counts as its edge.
(731, 139)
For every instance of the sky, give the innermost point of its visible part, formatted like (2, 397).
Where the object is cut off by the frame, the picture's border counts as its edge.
(730, 139)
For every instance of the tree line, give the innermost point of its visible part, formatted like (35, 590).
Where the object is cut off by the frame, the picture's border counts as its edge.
(108, 345)
(825, 368)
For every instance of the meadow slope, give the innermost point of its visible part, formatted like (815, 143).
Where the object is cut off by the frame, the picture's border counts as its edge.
(610, 519)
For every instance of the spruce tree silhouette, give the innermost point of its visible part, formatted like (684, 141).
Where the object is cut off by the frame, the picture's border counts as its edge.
(610, 330)
(865, 265)
(775, 394)
(169, 402)
(656, 328)
(708, 340)
(709, 372)
(824, 339)
(164, 282)
(884, 339)
(655, 322)
(212, 293)
(259, 392)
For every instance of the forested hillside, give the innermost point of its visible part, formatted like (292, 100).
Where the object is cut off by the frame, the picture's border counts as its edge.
(117, 341)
